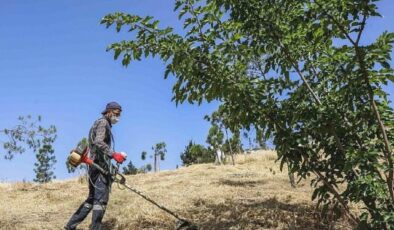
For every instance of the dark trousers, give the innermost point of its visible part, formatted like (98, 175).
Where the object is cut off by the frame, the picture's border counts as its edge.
(99, 187)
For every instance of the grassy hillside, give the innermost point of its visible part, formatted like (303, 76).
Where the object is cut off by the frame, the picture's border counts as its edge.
(253, 194)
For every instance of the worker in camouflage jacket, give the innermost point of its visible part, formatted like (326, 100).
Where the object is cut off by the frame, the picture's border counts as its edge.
(100, 143)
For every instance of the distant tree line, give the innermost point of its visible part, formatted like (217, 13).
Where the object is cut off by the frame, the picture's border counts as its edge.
(216, 139)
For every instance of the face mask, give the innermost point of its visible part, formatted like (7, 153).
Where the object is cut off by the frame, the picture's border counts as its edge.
(114, 119)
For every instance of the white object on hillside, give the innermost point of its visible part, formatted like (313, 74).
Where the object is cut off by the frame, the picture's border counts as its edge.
(219, 157)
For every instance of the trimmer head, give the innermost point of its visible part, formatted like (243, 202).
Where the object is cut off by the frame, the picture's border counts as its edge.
(185, 225)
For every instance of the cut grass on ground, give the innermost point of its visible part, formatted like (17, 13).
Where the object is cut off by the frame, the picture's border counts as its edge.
(253, 194)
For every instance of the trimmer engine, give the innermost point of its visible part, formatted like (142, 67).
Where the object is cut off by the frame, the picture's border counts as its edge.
(79, 155)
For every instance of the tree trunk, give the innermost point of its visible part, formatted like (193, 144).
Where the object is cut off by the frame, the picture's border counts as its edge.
(155, 163)
(231, 149)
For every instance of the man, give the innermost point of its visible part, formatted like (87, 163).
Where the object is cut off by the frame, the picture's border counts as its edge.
(100, 143)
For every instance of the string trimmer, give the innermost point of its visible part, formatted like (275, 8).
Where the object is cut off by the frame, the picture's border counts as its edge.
(80, 155)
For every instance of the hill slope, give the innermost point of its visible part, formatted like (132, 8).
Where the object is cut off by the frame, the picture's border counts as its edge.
(253, 194)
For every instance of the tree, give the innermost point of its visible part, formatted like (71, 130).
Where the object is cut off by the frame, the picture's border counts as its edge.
(146, 168)
(130, 169)
(29, 134)
(143, 155)
(215, 140)
(159, 152)
(46, 158)
(159, 155)
(261, 140)
(233, 144)
(247, 136)
(196, 154)
(300, 71)
(221, 121)
(215, 136)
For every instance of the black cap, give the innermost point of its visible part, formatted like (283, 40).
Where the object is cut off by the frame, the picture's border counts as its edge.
(112, 105)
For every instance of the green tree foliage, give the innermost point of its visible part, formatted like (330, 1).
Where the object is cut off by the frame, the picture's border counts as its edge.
(235, 142)
(143, 155)
(29, 134)
(215, 136)
(130, 169)
(159, 152)
(159, 155)
(221, 120)
(299, 71)
(261, 140)
(146, 168)
(45, 157)
(196, 154)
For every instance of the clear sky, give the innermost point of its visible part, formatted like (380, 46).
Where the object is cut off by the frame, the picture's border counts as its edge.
(53, 63)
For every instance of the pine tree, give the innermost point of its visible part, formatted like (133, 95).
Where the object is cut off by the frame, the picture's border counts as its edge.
(45, 156)
(28, 134)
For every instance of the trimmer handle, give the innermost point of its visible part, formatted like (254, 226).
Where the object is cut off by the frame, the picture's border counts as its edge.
(117, 177)
(103, 171)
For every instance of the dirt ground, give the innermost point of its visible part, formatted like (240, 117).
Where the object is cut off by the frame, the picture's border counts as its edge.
(253, 194)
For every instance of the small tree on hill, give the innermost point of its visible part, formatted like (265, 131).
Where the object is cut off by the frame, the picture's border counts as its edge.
(215, 136)
(159, 152)
(233, 144)
(29, 134)
(221, 120)
(146, 168)
(196, 154)
(45, 157)
(261, 140)
(130, 169)
(215, 140)
(159, 155)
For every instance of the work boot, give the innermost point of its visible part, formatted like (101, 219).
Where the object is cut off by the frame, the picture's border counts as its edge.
(79, 216)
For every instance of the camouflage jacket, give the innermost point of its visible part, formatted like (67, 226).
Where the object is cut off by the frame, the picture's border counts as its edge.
(100, 141)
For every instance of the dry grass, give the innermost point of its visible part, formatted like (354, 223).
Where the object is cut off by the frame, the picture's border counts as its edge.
(253, 194)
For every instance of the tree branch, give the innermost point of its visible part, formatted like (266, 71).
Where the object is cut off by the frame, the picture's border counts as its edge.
(354, 219)
(387, 150)
(339, 25)
(361, 29)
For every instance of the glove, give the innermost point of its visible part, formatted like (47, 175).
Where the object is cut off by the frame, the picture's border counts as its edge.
(119, 157)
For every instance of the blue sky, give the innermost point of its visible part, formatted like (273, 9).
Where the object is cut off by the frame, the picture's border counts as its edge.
(53, 63)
